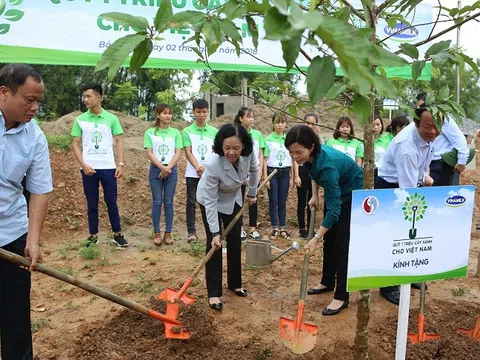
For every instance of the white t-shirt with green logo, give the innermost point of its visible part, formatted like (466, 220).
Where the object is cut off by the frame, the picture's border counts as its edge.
(97, 134)
(258, 142)
(163, 143)
(350, 147)
(275, 151)
(201, 142)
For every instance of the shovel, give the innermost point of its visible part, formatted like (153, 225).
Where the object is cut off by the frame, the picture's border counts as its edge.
(20, 260)
(172, 296)
(298, 336)
(475, 332)
(422, 336)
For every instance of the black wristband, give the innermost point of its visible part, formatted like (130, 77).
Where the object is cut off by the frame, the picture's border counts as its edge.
(215, 233)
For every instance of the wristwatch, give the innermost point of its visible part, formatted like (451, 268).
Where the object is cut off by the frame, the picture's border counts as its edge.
(121, 164)
(217, 233)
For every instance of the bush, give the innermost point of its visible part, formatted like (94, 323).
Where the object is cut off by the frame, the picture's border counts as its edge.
(62, 142)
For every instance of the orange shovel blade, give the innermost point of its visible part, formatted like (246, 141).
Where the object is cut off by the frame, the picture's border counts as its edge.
(422, 335)
(475, 332)
(299, 343)
(170, 294)
(172, 331)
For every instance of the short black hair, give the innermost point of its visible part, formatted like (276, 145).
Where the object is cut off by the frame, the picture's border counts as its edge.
(242, 112)
(418, 113)
(229, 130)
(377, 116)
(421, 96)
(200, 104)
(311, 115)
(397, 121)
(95, 87)
(12, 76)
(303, 135)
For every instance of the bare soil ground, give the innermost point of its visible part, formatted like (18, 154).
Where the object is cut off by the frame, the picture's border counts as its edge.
(70, 323)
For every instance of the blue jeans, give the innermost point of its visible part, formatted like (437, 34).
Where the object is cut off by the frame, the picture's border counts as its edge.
(162, 192)
(277, 196)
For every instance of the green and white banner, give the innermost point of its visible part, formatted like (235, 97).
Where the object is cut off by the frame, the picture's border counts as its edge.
(401, 236)
(70, 32)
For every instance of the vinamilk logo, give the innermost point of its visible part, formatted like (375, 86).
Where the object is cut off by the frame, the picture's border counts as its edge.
(455, 201)
(370, 205)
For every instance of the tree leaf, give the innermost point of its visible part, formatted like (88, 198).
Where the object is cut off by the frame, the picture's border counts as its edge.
(282, 6)
(4, 28)
(230, 29)
(137, 22)
(444, 93)
(417, 68)
(116, 53)
(196, 51)
(141, 54)
(438, 47)
(336, 90)
(207, 86)
(470, 62)
(276, 25)
(362, 108)
(254, 6)
(386, 58)
(14, 15)
(429, 99)
(320, 77)
(252, 27)
(410, 50)
(233, 9)
(291, 48)
(164, 15)
(179, 20)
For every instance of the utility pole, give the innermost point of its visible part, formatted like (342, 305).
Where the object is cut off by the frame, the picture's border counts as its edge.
(458, 66)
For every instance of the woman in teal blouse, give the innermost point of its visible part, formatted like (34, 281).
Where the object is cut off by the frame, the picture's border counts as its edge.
(339, 175)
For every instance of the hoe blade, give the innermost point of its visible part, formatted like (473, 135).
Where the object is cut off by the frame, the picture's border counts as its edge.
(172, 331)
(170, 294)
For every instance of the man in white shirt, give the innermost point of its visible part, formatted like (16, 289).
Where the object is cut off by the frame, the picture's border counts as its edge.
(451, 137)
(405, 165)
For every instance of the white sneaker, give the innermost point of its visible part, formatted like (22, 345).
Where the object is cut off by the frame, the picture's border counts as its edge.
(243, 236)
(254, 235)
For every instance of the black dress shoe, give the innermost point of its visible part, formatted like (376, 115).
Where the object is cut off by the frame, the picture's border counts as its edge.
(417, 286)
(392, 296)
(217, 307)
(314, 291)
(328, 312)
(242, 293)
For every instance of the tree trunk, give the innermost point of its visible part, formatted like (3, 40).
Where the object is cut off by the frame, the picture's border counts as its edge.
(478, 266)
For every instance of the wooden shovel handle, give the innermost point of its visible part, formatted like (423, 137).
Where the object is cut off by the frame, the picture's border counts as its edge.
(20, 260)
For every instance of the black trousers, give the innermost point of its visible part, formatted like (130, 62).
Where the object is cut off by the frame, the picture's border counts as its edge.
(192, 184)
(443, 174)
(380, 183)
(213, 268)
(26, 193)
(15, 330)
(252, 210)
(335, 254)
(304, 194)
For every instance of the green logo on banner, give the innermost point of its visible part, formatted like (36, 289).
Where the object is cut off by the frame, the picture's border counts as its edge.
(414, 210)
(202, 150)
(97, 138)
(163, 150)
(280, 157)
(11, 15)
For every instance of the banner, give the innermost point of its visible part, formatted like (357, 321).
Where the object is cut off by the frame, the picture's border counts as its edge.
(70, 32)
(401, 236)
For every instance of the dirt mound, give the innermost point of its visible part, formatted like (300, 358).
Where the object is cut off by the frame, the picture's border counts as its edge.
(441, 318)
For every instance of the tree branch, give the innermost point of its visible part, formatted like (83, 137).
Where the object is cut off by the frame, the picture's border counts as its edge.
(306, 55)
(355, 11)
(423, 42)
(382, 6)
(438, 17)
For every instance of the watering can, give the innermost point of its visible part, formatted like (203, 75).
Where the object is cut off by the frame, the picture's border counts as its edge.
(259, 252)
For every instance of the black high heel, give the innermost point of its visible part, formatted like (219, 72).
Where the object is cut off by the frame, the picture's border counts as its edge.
(328, 311)
(217, 306)
(242, 293)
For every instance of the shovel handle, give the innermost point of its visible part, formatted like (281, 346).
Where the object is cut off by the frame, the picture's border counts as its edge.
(311, 227)
(303, 287)
(422, 298)
(44, 269)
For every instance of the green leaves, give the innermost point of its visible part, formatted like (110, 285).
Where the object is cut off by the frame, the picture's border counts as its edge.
(14, 15)
(386, 58)
(282, 6)
(362, 108)
(116, 53)
(276, 25)
(320, 77)
(410, 50)
(417, 68)
(2, 6)
(444, 93)
(4, 28)
(207, 86)
(230, 29)
(291, 48)
(163, 16)
(438, 48)
(136, 22)
(470, 62)
(141, 54)
(212, 32)
(252, 27)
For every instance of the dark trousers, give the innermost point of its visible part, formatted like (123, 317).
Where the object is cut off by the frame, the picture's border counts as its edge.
(26, 193)
(443, 174)
(192, 184)
(252, 210)
(15, 330)
(335, 253)
(380, 183)
(213, 268)
(109, 185)
(277, 197)
(304, 193)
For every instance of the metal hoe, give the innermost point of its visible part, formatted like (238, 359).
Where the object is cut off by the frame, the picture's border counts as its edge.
(172, 296)
(475, 332)
(422, 335)
(298, 336)
(20, 260)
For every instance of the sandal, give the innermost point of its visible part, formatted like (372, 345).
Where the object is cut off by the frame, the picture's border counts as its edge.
(274, 234)
(285, 235)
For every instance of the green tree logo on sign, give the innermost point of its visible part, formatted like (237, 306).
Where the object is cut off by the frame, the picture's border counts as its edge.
(163, 150)
(414, 210)
(202, 150)
(97, 138)
(280, 157)
(11, 15)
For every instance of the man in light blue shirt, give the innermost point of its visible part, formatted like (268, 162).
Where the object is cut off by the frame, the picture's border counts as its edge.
(405, 165)
(23, 150)
(451, 137)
